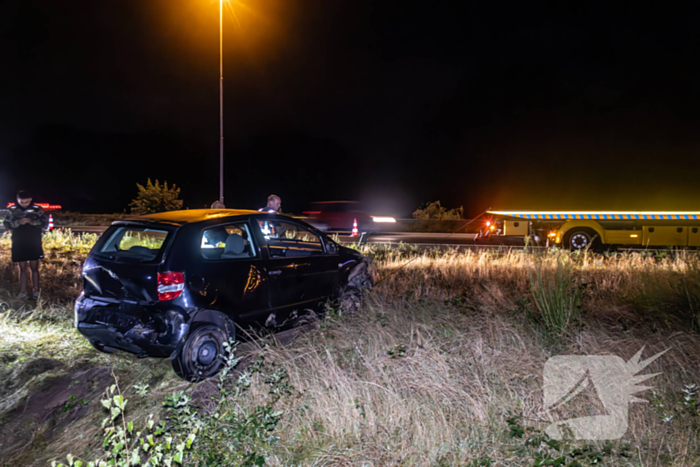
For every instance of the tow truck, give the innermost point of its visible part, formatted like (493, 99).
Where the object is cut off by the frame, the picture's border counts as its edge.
(578, 230)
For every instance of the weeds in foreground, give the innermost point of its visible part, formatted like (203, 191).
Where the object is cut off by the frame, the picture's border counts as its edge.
(541, 450)
(678, 409)
(229, 434)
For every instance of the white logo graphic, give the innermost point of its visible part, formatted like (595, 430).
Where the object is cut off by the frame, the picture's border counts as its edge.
(614, 381)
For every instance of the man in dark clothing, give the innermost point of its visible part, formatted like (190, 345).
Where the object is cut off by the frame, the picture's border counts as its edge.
(26, 221)
(274, 203)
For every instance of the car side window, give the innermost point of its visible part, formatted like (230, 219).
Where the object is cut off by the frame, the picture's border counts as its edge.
(227, 242)
(285, 239)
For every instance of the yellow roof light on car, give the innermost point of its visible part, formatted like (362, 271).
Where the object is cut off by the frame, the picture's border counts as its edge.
(384, 219)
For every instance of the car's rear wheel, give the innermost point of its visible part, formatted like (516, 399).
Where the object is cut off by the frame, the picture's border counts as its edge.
(202, 355)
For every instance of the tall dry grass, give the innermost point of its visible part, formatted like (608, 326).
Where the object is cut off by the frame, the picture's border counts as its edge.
(451, 344)
(474, 346)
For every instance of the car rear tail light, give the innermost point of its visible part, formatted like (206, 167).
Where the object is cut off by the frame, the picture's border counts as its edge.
(170, 285)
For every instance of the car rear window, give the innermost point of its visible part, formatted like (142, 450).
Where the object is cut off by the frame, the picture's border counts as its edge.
(133, 243)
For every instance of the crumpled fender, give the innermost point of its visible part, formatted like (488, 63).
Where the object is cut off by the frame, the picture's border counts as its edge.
(203, 315)
(362, 275)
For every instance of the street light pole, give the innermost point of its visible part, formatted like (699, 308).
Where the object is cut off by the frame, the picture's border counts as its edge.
(221, 101)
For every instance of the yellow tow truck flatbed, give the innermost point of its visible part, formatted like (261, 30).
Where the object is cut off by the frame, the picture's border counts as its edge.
(593, 229)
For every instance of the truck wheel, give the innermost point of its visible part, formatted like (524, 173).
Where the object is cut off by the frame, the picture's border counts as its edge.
(202, 355)
(580, 239)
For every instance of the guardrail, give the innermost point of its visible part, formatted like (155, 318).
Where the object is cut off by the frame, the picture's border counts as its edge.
(443, 226)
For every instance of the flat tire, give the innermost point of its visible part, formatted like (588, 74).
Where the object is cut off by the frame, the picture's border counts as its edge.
(203, 354)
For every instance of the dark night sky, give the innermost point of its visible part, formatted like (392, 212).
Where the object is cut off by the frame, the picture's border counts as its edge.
(396, 103)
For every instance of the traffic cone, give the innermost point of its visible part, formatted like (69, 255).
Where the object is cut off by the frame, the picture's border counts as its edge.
(355, 232)
(50, 222)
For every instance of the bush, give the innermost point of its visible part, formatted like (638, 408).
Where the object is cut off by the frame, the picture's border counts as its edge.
(435, 212)
(156, 198)
(436, 218)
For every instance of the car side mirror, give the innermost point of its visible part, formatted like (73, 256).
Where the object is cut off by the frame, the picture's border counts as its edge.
(331, 248)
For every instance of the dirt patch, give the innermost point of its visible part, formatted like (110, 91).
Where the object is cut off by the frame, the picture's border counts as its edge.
(60, 401)
(7, 358)
(37, 367)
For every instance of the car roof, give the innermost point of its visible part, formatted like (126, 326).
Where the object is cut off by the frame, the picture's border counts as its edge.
(191, 215)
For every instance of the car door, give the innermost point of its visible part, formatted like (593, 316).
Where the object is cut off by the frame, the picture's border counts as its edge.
(300, 273)
(232, 279)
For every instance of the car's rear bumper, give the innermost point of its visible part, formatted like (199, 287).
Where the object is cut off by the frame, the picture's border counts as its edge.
(133, 328)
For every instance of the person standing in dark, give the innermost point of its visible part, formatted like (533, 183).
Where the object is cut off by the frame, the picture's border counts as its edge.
(26, 221)
(274, 203)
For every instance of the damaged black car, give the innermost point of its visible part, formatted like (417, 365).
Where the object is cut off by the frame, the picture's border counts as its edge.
(179, 284)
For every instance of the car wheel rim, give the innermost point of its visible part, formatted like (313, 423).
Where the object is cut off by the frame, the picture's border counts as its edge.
(203, 352)
(579, 241)
(207, 353)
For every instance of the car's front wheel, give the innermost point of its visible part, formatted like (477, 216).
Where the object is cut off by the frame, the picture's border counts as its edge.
(203, 353)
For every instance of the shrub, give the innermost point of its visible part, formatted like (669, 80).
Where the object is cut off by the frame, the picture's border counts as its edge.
(435, 218)
(435, 212)
(156, 198)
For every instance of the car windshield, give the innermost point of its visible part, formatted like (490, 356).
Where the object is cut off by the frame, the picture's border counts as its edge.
(133, 243)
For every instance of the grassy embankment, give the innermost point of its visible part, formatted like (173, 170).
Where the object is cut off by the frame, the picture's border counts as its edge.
(442, 367)
(76, 218)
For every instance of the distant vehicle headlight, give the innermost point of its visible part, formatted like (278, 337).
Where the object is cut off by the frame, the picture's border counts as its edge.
(384, 219)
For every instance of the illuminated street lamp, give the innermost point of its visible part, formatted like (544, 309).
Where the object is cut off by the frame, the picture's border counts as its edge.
(221, 100)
